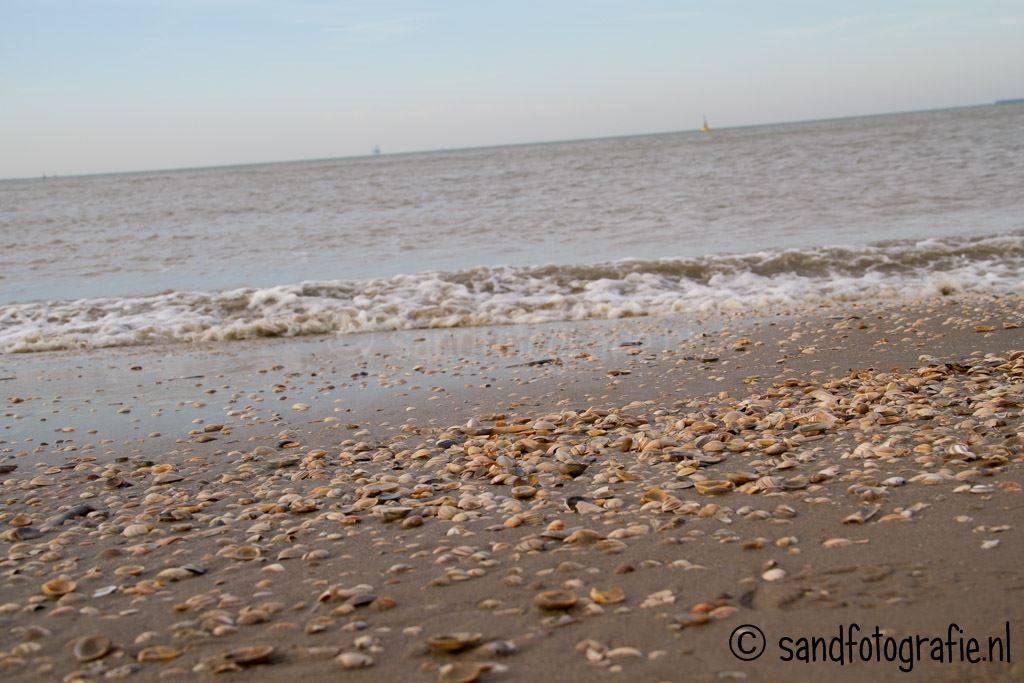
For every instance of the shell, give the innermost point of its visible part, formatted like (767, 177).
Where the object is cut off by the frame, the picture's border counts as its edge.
(248, 656)
(572, 469)
(158, 653)
(583, 537)
(354, 660)
(556, 599)
(55, 588)
(175, 574)
(612, 596)
(454, 642)
(711, 487)
(245, 553)
(523, 492)
(91, 648)
(20, 520)
(500, 648)
(461, 672)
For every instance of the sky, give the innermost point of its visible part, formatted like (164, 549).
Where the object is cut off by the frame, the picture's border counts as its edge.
(90, 86)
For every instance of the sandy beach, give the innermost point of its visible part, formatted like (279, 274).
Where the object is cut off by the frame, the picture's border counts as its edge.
(487, 342)
(606, 499)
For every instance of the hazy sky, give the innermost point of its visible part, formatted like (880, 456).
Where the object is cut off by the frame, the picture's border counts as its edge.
(102, 85)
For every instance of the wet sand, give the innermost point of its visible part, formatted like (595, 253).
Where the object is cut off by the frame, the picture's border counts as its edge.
(361, 496)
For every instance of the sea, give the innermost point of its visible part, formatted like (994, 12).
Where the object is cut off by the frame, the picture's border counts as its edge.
(752, 219)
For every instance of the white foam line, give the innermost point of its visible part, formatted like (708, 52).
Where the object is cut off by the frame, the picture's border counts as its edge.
(760, 282)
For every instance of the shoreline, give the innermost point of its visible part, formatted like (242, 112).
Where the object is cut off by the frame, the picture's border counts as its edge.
(215, 488)
(481, 364)
(790, 278)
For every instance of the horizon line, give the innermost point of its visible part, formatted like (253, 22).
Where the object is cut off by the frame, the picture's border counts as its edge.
(177, 169)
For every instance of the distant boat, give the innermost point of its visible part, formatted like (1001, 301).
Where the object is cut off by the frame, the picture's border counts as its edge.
(376, 151)
(704, 128)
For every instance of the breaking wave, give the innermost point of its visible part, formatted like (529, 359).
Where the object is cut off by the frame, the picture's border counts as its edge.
(758, 282)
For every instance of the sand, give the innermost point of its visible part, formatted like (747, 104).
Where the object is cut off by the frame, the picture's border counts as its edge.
(310, 457)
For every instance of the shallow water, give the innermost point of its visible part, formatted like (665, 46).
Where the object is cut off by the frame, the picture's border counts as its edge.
(415, 240)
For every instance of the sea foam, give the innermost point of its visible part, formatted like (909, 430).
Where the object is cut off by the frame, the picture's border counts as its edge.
(761, 282)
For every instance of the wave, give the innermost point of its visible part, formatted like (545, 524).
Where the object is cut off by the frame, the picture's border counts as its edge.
(760, 282)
